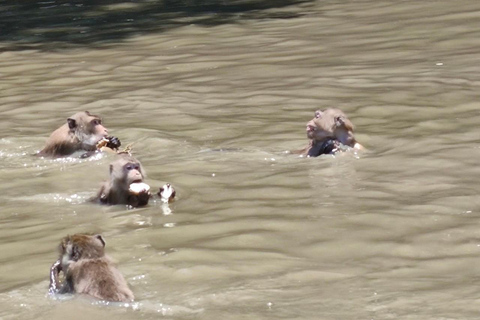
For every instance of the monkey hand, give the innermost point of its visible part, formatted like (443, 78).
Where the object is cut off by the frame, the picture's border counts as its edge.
(329, 146)
(167, 193)
(139, 194)
(139, 199)
(138, 187)
(113, 143)
(54, 271)
(109, 142)
(143, 198)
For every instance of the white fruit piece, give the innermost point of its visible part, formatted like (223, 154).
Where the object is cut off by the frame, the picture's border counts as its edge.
(102, 143)
(167, 192)
(139, 187)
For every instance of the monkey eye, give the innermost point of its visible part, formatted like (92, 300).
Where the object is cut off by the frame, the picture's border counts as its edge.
(318, 114)
(96, 122)
(132, 166)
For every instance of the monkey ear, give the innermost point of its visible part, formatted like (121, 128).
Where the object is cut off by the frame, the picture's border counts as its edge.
(99, 237)
(88, 113)
(76, 251)
(339, 121)
(71, 123)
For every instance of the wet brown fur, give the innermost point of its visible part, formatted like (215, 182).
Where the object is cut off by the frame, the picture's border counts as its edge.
(328, 124)
(82, 131)
(87, 270)
(116, 189)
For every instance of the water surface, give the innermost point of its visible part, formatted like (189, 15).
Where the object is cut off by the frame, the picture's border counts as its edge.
(211, 108)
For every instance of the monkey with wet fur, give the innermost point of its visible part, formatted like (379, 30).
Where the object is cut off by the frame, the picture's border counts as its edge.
(327, 131)
(81, 132)
(88, 270)
(125, 184)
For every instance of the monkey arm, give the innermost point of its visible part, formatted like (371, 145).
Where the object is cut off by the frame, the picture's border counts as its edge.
(102, 195)
(143, 198)
(55, 286)
(54, 271)
(315, 150)
(329, 146)
(301, 152)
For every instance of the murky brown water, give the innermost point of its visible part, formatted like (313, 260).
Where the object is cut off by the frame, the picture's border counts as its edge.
(256, 233)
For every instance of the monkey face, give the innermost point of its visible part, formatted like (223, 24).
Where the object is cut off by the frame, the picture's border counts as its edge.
(87, 128)
(96, 127)
(132, 172)
(320, 127)
(311, 129)
(330, 124)
(123, 172)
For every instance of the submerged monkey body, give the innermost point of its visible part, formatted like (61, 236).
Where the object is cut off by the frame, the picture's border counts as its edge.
(106, 278)
(61, 142)
(126, 185)
(81, 132)
(124, 172)
(87, 270)
(327, 132)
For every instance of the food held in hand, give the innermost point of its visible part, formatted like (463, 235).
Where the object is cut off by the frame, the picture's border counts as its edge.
(109, 142)
(167, 193)
(102, 143)
(138, 187)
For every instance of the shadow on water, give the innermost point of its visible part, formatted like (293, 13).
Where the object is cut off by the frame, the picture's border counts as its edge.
(58, 24)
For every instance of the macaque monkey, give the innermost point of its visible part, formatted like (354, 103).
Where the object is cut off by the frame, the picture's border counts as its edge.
(125, 184)
(86, 269)
(81, 132)
(327, 131)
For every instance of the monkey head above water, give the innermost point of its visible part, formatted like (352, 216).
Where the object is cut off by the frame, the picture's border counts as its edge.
(125, 184)
(82, 131)
(87, 270)
(328, 131)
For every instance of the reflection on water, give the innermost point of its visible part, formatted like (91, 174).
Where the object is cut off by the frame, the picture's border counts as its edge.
(211, 107)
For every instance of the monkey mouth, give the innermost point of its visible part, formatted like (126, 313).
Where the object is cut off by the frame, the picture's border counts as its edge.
(103, 136)
(137, 181)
